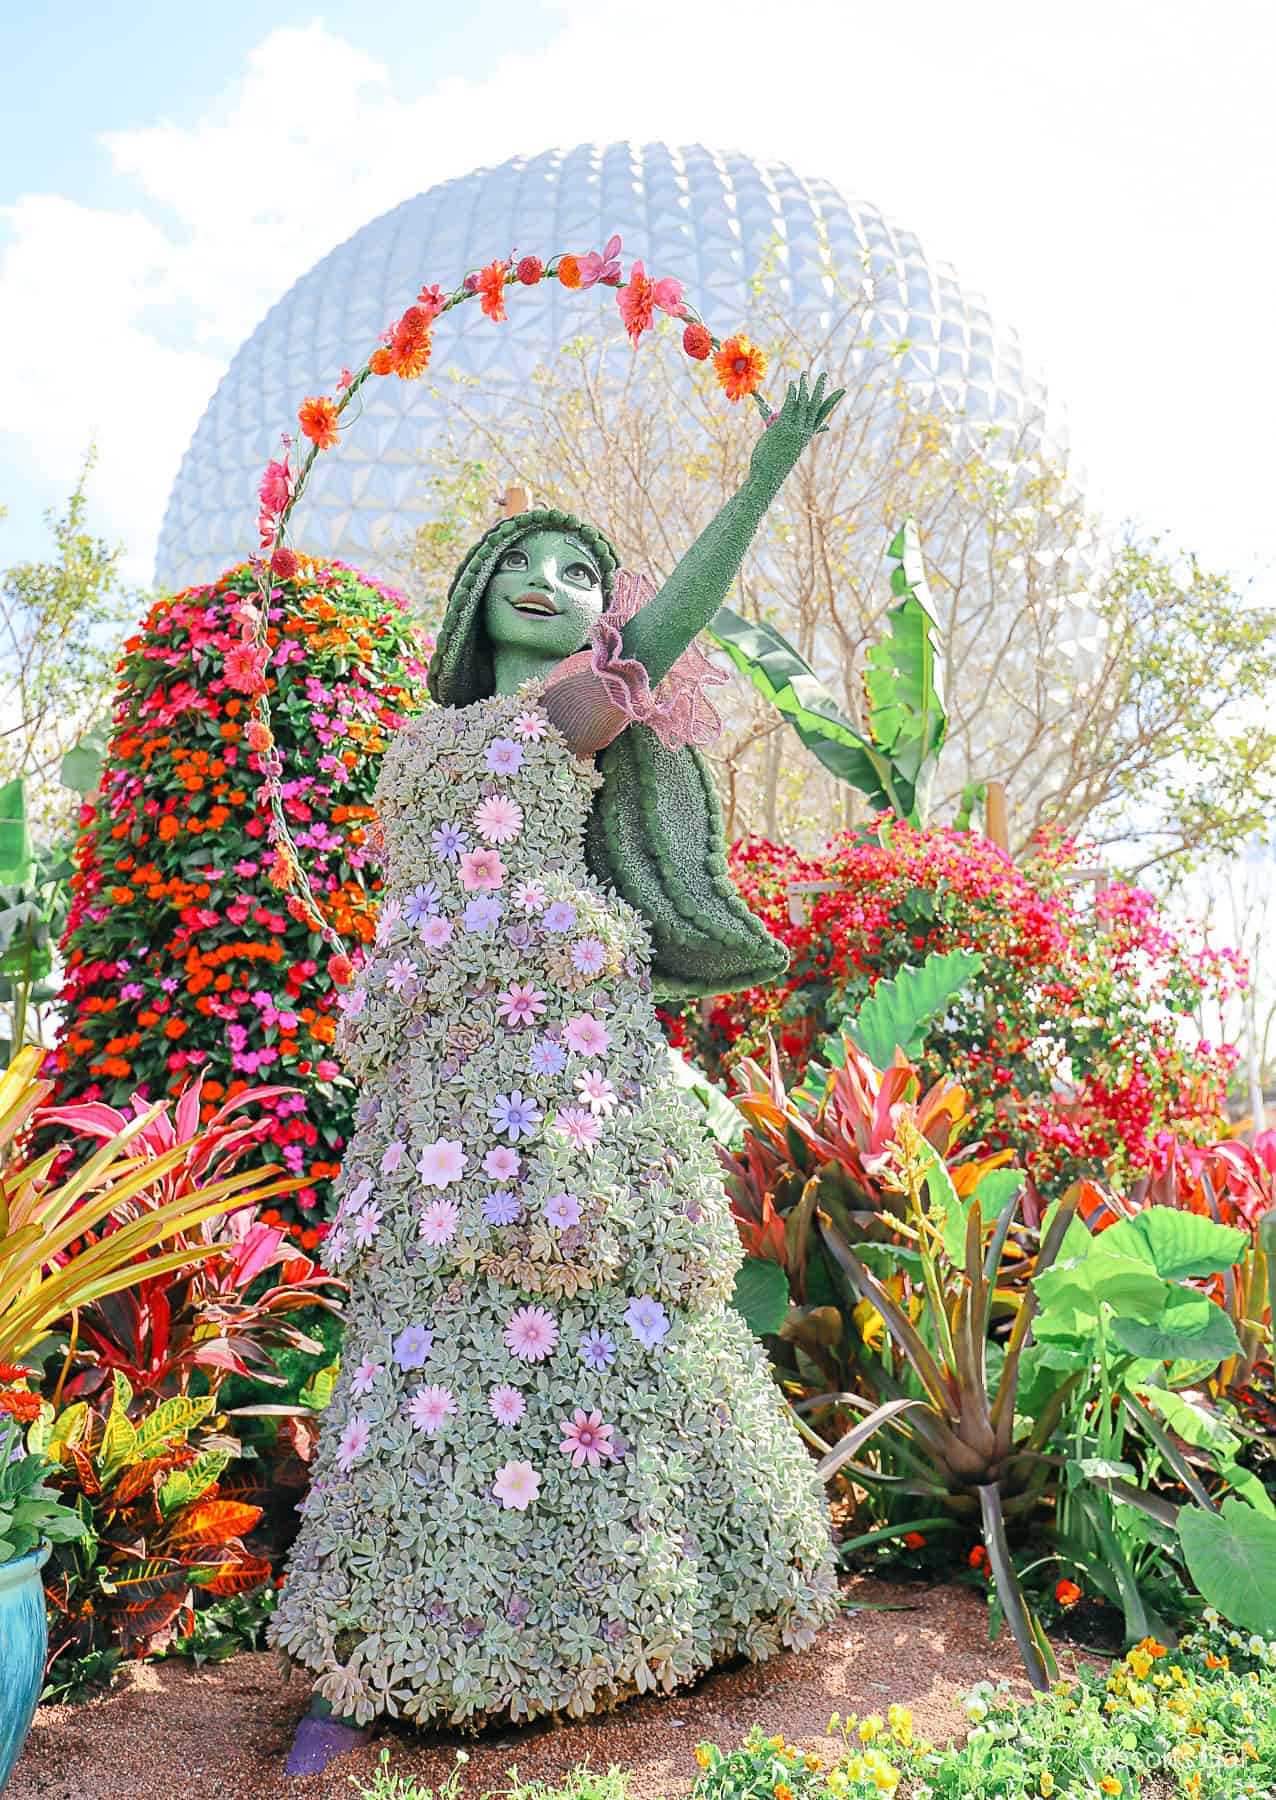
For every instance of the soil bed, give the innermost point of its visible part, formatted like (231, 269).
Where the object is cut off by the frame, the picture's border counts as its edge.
(222, 1732)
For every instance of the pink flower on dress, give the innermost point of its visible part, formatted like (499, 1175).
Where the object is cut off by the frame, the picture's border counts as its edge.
(481, 869)
(562, 1211)
(352, 1443)
(504, 757)
(441, 1163)
(439, 1221)
(517, 1484)
(401, 974)
(529, 896)
(519, 1005)
(364, 1377)
(581, 1128)
(367, 1223)
(502, 1164)
(429, 1407)
(531, 725)
(498, 819)
(589, 956)
(506, 1405)
(596, 1091)
(586, 1439)
(531, 1334)
(587, 1036)
(392, 1156)
(435, 931)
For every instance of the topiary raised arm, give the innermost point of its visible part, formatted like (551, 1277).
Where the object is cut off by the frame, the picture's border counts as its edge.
(662, 630)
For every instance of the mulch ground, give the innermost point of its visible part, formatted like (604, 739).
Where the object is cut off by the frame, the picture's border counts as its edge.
(169, 1731)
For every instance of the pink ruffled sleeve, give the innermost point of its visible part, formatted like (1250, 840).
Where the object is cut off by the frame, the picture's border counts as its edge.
(593, 696)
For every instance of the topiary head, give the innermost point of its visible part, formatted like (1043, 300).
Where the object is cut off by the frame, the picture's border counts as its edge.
(525, 596)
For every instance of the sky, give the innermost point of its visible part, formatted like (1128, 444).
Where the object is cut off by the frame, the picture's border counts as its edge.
(1104, 173)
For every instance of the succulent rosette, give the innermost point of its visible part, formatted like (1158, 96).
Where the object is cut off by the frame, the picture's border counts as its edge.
(183, 953)
(582, 1478)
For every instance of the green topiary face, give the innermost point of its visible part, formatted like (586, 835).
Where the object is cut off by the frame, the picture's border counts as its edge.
(539, 603)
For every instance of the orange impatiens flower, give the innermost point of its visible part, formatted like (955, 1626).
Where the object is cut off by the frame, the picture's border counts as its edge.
(318, 420)
(915, 1540)
(1067, 1593)
(22, 1407)
(491, 290)
(569, 271)
(739, 366)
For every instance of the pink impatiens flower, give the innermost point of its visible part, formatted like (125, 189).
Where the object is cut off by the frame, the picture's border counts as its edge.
(531, 1334)
(506, 1405)
(429, 1407)
(580, 1128)
(498, 819)
(439, 1221)
(604, 268)
(481, 869)
(587, 1035)
(519, 1005)
(441, 1163)
(586, 1439)
(517, 1484)
(596, 1091)
(352, 1443)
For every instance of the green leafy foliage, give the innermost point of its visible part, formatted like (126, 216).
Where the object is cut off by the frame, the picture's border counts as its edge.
(1231, 1555)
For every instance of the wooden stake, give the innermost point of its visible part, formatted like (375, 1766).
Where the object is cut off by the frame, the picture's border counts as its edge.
(996, 819)
(516, 500)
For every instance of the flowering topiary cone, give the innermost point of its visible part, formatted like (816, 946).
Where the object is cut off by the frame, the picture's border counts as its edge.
(180, 954)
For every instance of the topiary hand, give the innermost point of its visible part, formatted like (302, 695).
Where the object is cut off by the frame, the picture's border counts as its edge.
(804, 414)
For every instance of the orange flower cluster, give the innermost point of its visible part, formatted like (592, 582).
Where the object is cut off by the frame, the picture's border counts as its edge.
(739, 366)
(181, 955)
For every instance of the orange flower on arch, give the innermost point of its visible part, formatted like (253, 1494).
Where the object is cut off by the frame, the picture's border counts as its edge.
(491, 290)
(739, 366)
(318, 419)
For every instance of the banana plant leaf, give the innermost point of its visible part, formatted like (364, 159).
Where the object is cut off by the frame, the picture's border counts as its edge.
(15, 838)
(907, 719)
(787, 681)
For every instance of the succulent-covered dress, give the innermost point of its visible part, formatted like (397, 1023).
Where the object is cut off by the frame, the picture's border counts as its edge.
(555, 1470)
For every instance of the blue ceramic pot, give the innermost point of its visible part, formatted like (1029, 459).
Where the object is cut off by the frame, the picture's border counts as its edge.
(24, 1637)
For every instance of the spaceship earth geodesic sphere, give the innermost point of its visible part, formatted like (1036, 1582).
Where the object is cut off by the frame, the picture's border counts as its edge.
(709, 218)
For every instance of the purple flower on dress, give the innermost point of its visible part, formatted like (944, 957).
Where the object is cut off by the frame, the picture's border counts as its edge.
(435, 932)
(482, 914)
(421, 902)
(391, 913)
(401, 974)
(353, 1001)
(547, 1057)
(514, 1115)
(392, 1156)
(502, 1207)
(589, 955)
(648, 1320)
(501, 1163)
(412, 1347)
(559, 915)
(597, 1350)
(449, 841)
(562, 1211)
(504, 757)
(358, 1195)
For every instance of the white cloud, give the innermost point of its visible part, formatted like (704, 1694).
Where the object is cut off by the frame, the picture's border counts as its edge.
(1106, 182)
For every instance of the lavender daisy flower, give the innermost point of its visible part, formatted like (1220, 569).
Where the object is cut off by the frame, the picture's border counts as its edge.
(449, 841)
(597, 1350)
(547, 1058)
(502, 1207)
(589, 955)
(421, 902)
(482, 914)
(515, 1115)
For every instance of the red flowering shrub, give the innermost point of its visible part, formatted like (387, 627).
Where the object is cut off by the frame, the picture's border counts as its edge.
(181, 955)
(1075, 1044)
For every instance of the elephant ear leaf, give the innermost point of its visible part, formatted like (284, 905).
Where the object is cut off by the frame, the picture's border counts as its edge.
(787, 681)
(904, 681)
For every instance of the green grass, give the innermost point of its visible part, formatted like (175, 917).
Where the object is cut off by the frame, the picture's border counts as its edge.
(580, 1784)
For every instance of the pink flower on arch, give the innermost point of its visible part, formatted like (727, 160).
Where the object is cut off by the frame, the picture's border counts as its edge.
(641, 295)
(245, 668)
(604, 268)
(481, 869)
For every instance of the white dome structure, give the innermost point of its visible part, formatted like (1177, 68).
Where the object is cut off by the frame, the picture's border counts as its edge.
(708, 218)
